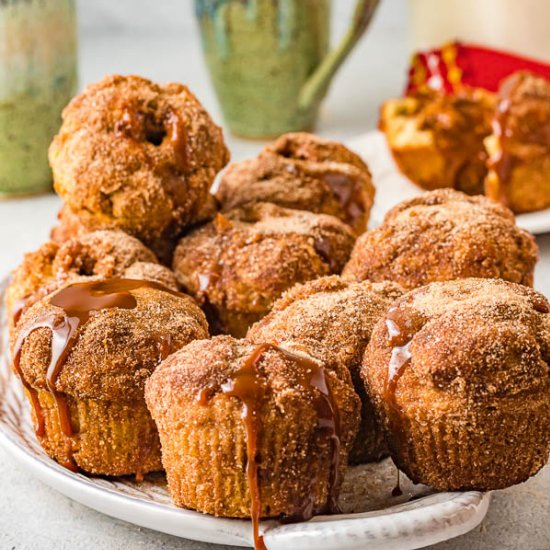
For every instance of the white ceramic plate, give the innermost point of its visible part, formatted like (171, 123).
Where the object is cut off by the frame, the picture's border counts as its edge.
(393, 187)
(372, 518)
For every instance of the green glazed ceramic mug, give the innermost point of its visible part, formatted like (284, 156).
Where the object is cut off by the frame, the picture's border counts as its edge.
(38, 76)
(270, 62)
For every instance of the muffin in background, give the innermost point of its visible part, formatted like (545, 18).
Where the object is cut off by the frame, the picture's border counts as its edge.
(104, 254)
(519, 147)
(239, 264)
(136, 156)
(305, 172)
(437, 139)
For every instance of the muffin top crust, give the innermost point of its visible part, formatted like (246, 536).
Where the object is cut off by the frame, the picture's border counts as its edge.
(477, 339)
(135, 155)
(444, 235)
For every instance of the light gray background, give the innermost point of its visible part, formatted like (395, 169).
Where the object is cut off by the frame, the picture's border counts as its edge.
(158, 39)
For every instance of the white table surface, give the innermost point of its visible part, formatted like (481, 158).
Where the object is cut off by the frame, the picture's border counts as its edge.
(159, 40)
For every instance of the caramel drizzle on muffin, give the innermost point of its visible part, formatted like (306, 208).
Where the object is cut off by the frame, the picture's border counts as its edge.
(524, 127)
(349, 192)
(251, 388)
(77, 301)
(402, 323)
(401, 326)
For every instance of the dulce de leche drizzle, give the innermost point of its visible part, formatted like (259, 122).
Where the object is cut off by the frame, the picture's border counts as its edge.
(503, 162)
(324, 249)
(348, 191)
(177, 135)
(77, 303)
(18, 308)
(251, 387)
(402, 324)
(397, 491)
(522, 116)
(148, 126)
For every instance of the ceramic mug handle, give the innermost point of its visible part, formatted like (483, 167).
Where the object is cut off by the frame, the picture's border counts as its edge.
(317, 84)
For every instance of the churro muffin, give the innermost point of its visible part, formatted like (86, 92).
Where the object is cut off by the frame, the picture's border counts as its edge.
(100, 253)
(519, 147)
(305, 172)
(239, 264)
(83, 354)
(459, 374)
(137, 156)
(337, 316)
(437, 139)
(444, 235)
(252, 430)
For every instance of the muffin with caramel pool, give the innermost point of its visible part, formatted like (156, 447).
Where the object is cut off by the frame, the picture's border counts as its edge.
(238, 265)
(252, 430)
(459, 374)
(305, 172)
(338, 316)
(444, 235)
(83, 354)
(100, 253)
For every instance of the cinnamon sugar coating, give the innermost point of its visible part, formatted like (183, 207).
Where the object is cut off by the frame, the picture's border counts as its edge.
(337, 316)
(103, 254)
(444, 235)
(146, 271)
(204, 438)
(519, 147)
(459, 374)
(137, 156)
(71, 226)
(239, 264)
(305, 172)
(103, 377)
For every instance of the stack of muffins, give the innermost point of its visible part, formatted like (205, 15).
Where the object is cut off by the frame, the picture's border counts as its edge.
(421, 339)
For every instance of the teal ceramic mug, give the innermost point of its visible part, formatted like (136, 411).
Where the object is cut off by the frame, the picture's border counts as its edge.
(270, 62)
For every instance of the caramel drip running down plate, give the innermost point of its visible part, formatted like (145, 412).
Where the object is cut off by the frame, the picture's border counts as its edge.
(393, 187)
(371, 518)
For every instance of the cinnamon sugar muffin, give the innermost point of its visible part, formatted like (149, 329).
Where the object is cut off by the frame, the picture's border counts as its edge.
(444, 235)
(83, 354)
(238, 265)
(459, 374)
(336, 316)
(252, 430)
(519, 147)
(137, 156)
(100, 253)
(437, 139)
(305, 172)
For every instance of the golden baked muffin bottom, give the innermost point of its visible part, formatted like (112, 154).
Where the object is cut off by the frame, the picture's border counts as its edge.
(112, 438)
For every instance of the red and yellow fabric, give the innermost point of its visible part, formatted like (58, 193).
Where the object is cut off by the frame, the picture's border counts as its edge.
(456, 64)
